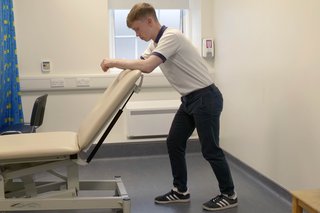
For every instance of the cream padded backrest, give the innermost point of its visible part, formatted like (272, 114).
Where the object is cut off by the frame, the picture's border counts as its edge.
(106, 107)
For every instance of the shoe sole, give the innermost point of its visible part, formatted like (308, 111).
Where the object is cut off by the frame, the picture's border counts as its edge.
(221, 208)
(172, 201)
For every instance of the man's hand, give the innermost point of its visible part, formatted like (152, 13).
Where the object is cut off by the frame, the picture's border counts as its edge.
(105, 64)
(146, 66)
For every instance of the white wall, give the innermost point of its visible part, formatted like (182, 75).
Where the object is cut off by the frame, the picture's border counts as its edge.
(268, 68)
(74, 36)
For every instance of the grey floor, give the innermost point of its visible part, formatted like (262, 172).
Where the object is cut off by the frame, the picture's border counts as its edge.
(148, 176)
(145, 176)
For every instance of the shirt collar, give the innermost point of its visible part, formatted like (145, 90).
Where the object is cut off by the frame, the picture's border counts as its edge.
(162, 29)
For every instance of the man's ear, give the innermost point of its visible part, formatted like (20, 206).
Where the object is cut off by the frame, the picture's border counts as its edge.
(150, 20)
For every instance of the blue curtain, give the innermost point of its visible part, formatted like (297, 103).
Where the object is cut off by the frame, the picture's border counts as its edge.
(10, 97)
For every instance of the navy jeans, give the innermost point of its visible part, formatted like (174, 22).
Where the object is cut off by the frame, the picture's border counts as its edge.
(201, 110)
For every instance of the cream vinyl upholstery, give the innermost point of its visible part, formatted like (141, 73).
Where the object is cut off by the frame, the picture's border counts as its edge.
(68, 143)
(22, 156)
(38, 145)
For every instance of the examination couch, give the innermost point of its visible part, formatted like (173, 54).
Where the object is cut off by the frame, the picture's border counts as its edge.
(24, 156)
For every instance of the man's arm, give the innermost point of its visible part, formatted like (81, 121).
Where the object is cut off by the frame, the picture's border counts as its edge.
(146, 66)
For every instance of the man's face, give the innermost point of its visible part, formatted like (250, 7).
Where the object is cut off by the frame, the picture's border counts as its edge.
(142, 29)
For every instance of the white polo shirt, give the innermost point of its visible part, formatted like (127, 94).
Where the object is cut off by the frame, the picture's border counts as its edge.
(182, 64)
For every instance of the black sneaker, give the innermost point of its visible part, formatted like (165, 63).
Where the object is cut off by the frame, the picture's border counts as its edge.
(173, 197)
(221, 202)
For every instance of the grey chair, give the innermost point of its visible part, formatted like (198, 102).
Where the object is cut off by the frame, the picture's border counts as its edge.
(35, 121)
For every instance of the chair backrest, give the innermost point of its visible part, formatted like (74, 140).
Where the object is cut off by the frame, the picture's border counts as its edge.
(106, 107)
(38, 111)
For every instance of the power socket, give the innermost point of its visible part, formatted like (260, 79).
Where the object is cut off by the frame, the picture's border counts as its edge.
(46, 66)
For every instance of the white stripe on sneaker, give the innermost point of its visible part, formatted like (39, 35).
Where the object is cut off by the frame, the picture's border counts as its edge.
(220, 204)
(172, 197)
(223, 203)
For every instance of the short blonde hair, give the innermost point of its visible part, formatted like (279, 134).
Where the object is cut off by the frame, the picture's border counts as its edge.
(140, 11)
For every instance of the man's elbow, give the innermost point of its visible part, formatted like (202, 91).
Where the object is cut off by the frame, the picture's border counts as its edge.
(147, 69)
(148, 65)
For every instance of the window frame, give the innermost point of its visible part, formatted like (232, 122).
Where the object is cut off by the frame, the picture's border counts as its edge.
(184, 22)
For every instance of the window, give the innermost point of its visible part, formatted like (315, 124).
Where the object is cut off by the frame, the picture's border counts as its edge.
(124, 41)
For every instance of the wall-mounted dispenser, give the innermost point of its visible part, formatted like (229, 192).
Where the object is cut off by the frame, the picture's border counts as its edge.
(207, 48)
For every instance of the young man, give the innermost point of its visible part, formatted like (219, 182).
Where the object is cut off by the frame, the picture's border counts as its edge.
(201, 104)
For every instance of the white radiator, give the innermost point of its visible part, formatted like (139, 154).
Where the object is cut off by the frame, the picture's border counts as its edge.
(150, 118)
